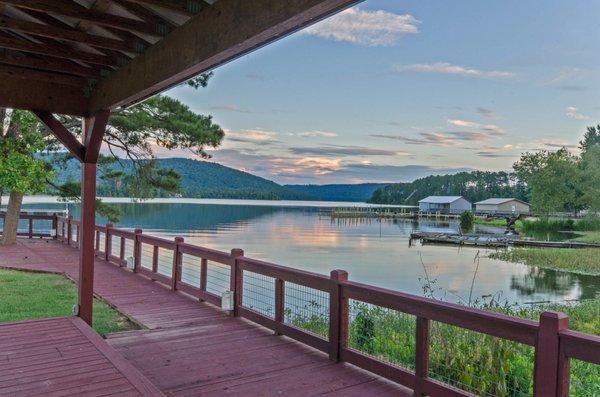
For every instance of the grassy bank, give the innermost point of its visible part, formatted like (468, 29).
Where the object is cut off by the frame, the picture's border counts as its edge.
(555, 225)
(26, 295)
(583, 261)
(480, 364)
(490, 222)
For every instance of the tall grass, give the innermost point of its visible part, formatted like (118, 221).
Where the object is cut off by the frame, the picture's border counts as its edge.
(478, 363)
(556, 225)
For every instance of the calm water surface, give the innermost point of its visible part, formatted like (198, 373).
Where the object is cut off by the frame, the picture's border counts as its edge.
(372, 251)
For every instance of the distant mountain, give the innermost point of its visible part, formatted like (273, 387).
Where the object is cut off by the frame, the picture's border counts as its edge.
(339, 192)
(474, 186)
(200, 179)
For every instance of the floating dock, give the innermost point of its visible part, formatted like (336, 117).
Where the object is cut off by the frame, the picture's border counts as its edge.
(492, 241)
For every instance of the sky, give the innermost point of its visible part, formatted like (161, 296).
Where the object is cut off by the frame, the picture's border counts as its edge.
(389, 91)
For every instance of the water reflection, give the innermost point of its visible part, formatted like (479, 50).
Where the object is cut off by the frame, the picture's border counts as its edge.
(371, 250)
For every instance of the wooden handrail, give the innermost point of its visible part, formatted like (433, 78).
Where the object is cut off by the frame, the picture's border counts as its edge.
(553, 342)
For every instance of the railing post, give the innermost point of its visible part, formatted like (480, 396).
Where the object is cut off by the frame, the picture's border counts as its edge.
(338, 315)
(176, 271)
(137, 251)
(107, 242)
(30, 231)
(236, 281)
(69, 229)
(55, 226)
(279, 301)
(421, 354)
(203, 273)
(547, 352)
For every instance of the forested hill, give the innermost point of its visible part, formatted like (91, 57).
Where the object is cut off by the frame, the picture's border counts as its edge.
(199, 179)
(474, 186)
(339, 192)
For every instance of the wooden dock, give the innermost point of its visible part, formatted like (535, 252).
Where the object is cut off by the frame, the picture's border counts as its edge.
(493, 241)
(192, 347)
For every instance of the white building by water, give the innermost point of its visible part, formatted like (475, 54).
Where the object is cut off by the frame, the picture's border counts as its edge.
(445, 204)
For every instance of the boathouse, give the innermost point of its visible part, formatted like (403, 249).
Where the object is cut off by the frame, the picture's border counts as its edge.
(499, 206)
(445, 204)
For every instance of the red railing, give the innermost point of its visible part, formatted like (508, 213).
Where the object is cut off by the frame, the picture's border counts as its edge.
(39, 224)
(266, 293)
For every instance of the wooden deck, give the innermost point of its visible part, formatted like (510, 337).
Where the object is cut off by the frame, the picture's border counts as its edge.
(191, 348)
(64, 357)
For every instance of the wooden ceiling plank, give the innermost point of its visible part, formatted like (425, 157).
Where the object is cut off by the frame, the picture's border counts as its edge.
(218, 34)
(14, 58)
(185, 7)
(8, 71)
(43, 95)
(74, 10)
(74, 35)
(55, 51)
(146, 14)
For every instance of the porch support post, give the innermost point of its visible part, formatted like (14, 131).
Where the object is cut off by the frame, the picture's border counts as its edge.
(93, 131)
(86, 245)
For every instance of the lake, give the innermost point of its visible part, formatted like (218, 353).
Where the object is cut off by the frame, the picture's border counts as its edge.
(372, 251)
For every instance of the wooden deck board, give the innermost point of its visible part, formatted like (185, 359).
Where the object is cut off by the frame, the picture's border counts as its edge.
(190, 348)
(63, 357)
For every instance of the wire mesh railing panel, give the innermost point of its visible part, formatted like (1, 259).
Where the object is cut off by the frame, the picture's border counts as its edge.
(258, 293)
(165, 262)
(129, 249)
(101, 241)
(74, 233)
(585, 379)
(385, 334)
(190, 270)
(306, 308)
(115, 246)
(147, 253)
(218, 278)
(480, 364)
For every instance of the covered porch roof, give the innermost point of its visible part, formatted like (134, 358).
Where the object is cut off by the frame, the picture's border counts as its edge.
(79, 57)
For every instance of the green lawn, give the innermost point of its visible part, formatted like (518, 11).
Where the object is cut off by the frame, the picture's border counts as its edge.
(27, 295)
(583, 261)
(588, 237)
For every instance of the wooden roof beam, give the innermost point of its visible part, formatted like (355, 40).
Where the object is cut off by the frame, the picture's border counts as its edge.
(74, 35)
(14, 58)
(76, 148)
(57, 51)
(218, 34)
(43, 95)
(73, 10)
(185, 7)
(33, 74)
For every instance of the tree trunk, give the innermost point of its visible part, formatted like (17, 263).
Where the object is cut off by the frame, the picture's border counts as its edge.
(11, 221)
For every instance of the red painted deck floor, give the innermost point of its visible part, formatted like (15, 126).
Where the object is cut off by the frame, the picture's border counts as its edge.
(64, 357)
(191, 348)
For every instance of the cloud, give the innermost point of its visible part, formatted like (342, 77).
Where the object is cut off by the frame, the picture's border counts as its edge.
(488, 128)
(450, 138)
(575, 88)
(334, 150)
(553, 143)
(229, 108)
(368, 28)
(573, 113)
(490, 114)
(312, 134)
(463, 123)
(494, 154)
(256, 76)
(251, 136)
(448, 68)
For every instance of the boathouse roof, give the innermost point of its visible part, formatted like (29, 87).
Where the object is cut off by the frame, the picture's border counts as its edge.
(440, 199)
(498, 201)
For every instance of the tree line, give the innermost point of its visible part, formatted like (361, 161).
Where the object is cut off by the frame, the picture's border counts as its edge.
(551, 181)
